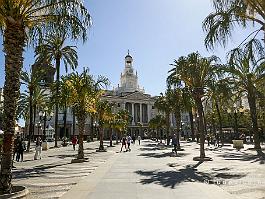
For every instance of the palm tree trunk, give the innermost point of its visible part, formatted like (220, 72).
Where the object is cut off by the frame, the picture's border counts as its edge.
(192, 126)
(101, 146)
(81, 127)
(14, 41)
(64, 122)
(73, 123)
(57, 103)
(167, 128)
(30, 118)
(34, 121)
(198, 93)
(220, 122)
(91, 128)
(110, 139)
(178, 125)
(253, 113)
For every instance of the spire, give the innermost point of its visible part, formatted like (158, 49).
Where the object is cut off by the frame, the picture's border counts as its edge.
(128, 52)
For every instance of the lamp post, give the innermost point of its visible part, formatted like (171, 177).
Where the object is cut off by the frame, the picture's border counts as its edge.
(38, 125)
(96, 125)
(234, 111)
(45, 116)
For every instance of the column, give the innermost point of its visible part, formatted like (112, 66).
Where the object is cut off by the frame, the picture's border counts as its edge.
(141, 112)
(149, 109)
(132, 113)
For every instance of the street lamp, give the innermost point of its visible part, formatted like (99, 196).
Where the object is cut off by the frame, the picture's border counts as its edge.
(45, 116)
(38, 126)
(96, 125)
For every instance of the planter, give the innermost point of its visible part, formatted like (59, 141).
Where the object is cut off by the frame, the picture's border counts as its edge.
(45, 146)
(18, 192)
(238, 144)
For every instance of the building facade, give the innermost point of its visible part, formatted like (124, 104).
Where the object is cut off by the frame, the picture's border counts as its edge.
(129, 96)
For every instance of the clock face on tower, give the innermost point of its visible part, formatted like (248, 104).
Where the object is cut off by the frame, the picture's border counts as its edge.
(131, 70)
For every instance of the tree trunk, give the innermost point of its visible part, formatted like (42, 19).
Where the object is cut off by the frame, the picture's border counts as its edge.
(167, 128)
(178, 125)
(197, 94)
(14, 41)
(34, 121)
(192, 126)
(110, 139)
(101, 146)
(220, 122)
(253, 113)
(57, 98)
(73, 123)
(92, 127)
(30, 118)
(81, 127)
(64, 121)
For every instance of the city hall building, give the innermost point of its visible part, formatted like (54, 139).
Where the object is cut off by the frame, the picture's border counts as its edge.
(128, 95)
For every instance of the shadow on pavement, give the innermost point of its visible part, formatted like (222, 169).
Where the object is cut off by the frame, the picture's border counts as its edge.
(241, 156)
(173, 178)
(162, 155)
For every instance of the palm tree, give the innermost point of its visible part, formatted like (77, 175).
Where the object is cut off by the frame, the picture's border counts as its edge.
(163, 104)
(248, 72)
(24, 22)
(53, 48)
(175, 99)
(80, 88)
(103, 114)
(230, 13)
(31, 80)
(218, 92)
(122, 121)
(158, 123)
(196, 72)
(64, 97)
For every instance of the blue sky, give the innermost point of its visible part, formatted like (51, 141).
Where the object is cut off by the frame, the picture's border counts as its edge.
(155, 31)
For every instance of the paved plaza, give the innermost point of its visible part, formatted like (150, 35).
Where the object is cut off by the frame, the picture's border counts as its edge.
(150, 170)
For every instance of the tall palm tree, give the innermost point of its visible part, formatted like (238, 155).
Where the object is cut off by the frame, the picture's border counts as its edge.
(196, 72)
(31, 80)
(53, 49)
(164, 105)
(248, 73)
(219, 91)
(230, 13)
(24, 22)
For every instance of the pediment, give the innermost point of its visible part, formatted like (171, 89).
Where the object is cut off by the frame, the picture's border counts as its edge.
(137, 96)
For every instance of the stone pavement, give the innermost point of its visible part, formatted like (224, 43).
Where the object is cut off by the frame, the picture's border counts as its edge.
(150, 171)
(54, 174)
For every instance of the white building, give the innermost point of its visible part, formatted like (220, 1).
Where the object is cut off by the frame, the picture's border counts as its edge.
(129, 96)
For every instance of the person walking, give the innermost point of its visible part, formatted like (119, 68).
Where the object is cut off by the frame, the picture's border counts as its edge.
(21, 147)
(133, 139)
(123, 143)
(129, 139)
(74, 142)
(174, 143)
(38, 149)
(15, 148)
(139, 139)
